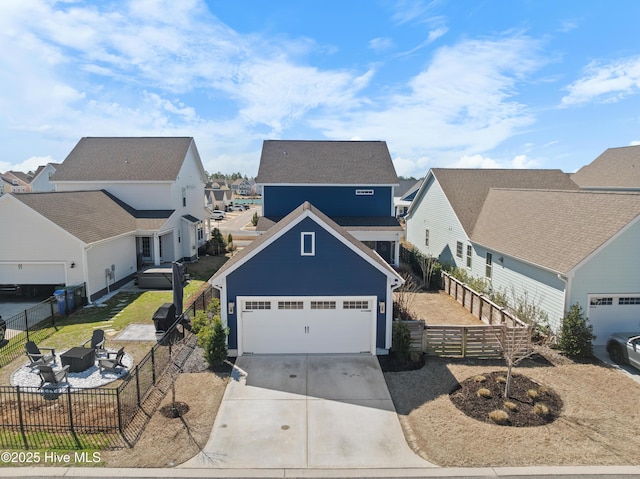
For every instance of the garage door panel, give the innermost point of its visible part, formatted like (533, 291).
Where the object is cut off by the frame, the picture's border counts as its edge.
(609, 314)
(32, 273)
(306, 330)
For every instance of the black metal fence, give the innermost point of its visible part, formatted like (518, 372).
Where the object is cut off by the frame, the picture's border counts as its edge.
(72, 418)
(38, 322)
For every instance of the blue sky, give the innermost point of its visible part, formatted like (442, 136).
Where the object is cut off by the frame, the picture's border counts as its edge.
(458, 83)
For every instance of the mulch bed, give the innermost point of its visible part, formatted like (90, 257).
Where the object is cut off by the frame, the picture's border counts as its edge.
(529, 403)
(391, 364)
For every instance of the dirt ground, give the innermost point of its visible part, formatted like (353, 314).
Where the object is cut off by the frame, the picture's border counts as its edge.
(437, 307)
(167, 442)
(598, 424)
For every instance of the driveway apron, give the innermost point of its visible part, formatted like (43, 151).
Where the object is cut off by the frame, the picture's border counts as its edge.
(307, 412)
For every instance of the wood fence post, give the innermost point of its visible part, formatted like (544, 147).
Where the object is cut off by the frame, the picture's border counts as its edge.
(464, 341)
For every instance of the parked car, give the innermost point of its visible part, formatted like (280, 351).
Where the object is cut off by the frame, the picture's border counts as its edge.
(624, 348)
(235, 208)
(218, 215)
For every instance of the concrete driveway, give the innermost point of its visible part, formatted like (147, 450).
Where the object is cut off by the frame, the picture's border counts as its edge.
(307, 412)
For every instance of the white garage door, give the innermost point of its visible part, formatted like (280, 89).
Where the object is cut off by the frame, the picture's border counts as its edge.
(32, 273)
(613, 313)
(300, 325)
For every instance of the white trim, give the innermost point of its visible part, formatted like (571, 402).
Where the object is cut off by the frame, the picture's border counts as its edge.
(312, 235)
(306, 214)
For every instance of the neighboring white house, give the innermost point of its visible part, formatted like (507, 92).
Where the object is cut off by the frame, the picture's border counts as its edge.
(120, 203)
(42, 179)
(550, 241)
(147, 174)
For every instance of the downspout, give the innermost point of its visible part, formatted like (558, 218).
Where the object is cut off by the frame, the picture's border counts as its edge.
(389, 312)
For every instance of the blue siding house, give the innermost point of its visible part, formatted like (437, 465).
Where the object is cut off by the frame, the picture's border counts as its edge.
(307, 286)
(352, 182)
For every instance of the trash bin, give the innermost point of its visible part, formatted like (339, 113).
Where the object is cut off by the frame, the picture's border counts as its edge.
(60, 299)
(70, 302)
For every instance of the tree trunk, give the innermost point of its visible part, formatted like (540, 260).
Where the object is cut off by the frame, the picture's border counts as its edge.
(507, 386)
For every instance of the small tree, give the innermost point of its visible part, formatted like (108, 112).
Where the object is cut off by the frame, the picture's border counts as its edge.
(254, 219)
(427, 265)
(213, 340)
(576, 334)
(401, 341)
(404, 296)
(515, 344)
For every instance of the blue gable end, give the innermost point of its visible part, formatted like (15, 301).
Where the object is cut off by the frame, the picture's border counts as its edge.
(331, 200)
(281, 270)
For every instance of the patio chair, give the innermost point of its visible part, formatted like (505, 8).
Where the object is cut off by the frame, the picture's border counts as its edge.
(52, 376)
(112, 364)
(37, 357)
(97, 342)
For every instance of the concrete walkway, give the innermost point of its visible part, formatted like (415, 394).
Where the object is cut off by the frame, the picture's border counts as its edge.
(307, 412)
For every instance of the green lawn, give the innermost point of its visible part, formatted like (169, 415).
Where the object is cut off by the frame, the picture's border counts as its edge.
(113, 316)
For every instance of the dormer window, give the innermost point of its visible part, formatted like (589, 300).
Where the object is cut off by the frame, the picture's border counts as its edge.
(308, 243)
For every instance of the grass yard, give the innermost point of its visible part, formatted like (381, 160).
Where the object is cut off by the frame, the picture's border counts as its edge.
(113, 316)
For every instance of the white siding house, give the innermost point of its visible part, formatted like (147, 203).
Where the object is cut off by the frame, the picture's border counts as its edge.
(120, 203)
(556, 247)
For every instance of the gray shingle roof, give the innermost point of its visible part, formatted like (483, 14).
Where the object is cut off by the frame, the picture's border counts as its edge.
(286, 221)
(124, 159)
(552, 229)
(326, 162)
(90, 216)
(351, 223)
(466, 189)
(616, 168)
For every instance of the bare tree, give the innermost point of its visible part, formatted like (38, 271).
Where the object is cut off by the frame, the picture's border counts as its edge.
(515, 344)
(404, 296)
(427, 265)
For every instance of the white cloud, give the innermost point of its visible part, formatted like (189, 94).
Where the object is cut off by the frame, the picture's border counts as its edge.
(461, 104)
(381, 44)
(608, 82)
(30, 164)
(634, 143)
(480, 161)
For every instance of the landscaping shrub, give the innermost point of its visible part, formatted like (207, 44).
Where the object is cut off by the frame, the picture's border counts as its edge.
(499, 416)
(254, 219)
(576, 334)
(213, 340)
(401, 341)
(541, 409)
(484, 392)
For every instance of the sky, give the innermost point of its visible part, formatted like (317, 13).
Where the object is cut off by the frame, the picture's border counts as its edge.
(446, 83)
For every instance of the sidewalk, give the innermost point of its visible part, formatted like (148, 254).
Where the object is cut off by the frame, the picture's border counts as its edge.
(450, 473)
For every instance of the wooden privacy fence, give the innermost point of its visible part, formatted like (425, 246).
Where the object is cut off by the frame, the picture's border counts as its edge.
(478, 304)
(481, 341)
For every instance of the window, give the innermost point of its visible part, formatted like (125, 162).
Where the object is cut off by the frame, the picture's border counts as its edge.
(426, 238)
(254, 305)
(355, 305)
(200, 232)
(459, 249)
(364, 192)
(146, 247)
(469, 254)
(601, 301)
(489, 266)
(323, 305)
(308, 244)
(290, 305)
(629, 300)
(184, 197)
